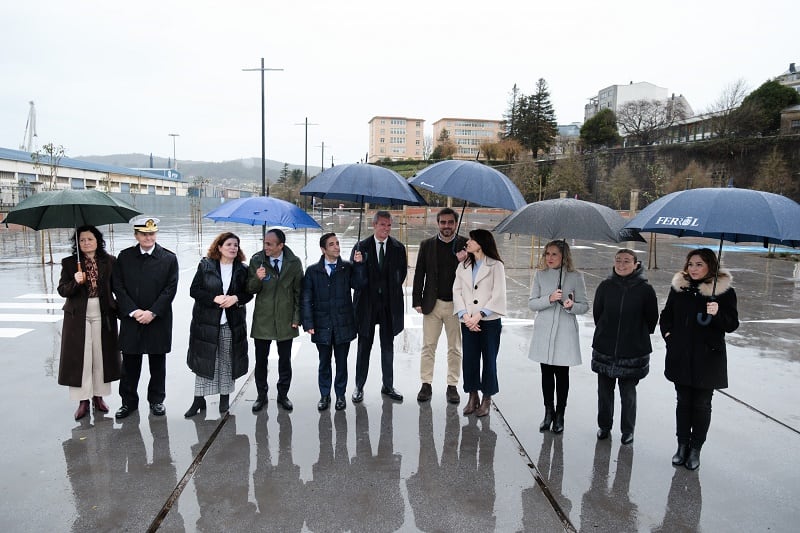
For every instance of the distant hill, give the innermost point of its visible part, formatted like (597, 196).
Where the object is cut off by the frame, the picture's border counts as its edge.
(236, 171)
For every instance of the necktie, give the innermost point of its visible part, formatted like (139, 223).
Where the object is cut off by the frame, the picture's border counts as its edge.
(332, 267)
(381, 256)
(275, 265)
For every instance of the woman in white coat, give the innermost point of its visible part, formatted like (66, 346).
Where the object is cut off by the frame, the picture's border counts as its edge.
(479, 300)
(557, 295)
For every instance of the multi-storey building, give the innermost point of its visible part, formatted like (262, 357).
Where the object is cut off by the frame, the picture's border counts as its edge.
(467, 134)
(790, 78)
(396, 138)
(617, 95)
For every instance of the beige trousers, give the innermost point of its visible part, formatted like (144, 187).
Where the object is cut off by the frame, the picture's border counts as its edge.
(92, 383)
(442, 315)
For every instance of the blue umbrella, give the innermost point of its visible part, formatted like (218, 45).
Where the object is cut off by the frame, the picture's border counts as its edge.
(262, 211)
(363, 183)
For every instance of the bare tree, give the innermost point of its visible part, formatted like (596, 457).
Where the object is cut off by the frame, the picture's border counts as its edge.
(620, 184)
(774, 175)
(646, 121)
(568, 175)
(49, 156)
(721, 111)
(490, 150)
(510, 149)
(427, 146)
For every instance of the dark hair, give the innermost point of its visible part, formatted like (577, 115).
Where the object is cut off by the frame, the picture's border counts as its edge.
(709, 258)
(381, 214)
(101, 243)
(566, 255)
(323, 241)
(629, 252)
(213, 250)
(279, 234)
(485, 240)
(444, 212)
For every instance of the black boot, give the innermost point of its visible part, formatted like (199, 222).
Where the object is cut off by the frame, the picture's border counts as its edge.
(224, 403)
(558, 421)
(549, 412)
(680, 456)
(199, 404)
(693, 459)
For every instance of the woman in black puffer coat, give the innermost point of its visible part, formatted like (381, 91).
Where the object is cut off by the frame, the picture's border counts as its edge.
(218, 332)
(700, 309)
(625, 314)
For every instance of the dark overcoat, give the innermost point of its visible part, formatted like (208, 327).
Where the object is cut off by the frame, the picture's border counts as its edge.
(204, 329)
(327, 304)
(696, 354)
(73, 333)
(148, 282)
(426, 273)
(390, 280)
(625, 313)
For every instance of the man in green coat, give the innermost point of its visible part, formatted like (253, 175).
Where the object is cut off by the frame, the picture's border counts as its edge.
(275, 277)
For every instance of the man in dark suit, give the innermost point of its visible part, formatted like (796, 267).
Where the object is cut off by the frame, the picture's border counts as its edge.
(380, 303)
(145, 281)
(432, 296)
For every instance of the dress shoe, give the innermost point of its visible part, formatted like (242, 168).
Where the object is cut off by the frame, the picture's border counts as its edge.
(452, 395)
(485, 406)
(680, 456)
(285, 402)
(99, 404)
(224, 403)
(83, 409)
(425, 393)
(392, 393)
(472, 403)
(158, 409)
(259, 404)
(340, 403)
(199, 404)
(547, 421)
(602, 434)
(693, 459)
(558, 422)
(124, 411)
(627, 438)
(358, 395)
(324, 403)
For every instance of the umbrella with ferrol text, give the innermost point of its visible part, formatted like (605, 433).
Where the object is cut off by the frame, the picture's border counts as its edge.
(363, 183)
(727, 214)
(262, 211)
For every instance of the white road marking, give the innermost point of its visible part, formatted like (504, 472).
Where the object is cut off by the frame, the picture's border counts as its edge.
(39, 295)
(10, 333)
(22, 317)
(772, 321)
(31, 305)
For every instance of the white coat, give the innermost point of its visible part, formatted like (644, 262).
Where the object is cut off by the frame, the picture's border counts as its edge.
(487, 292)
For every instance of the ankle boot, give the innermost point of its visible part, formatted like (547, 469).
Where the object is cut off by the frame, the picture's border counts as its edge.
(485, 407)
(83, 409)
(99, 404)
(680, 456)
(472, 403)
(199, 404)
(693, 459)
(558, 421)
(549, 412)
(224, 403)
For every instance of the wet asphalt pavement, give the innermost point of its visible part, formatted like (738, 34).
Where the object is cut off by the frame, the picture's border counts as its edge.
(388, 466)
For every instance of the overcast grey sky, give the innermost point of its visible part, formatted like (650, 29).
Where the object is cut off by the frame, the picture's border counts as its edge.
(117, 77)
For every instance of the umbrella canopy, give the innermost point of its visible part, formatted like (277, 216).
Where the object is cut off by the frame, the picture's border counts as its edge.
(736, 215)
(470, 181)
(70, 208)
(363, 183)
(262, 211)
(568, 218)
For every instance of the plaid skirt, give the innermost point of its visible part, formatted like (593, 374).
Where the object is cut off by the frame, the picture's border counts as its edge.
(222, 382)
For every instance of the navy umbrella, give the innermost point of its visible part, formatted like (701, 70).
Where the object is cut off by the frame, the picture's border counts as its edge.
(262, 211)
(363, 183)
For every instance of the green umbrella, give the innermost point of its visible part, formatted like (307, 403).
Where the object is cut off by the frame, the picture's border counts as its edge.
(70, 208)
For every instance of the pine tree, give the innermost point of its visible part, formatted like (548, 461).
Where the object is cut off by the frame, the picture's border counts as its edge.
(534, 120)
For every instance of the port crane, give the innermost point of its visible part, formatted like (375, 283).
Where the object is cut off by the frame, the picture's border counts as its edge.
(30, 130)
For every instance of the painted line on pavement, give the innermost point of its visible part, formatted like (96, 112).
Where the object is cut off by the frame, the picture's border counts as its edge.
(53, 296)
(31, 305)
(11, 333)
(22, 317)
(772, 321)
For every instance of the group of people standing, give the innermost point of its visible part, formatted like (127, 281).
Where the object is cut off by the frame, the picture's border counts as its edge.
(459, 285)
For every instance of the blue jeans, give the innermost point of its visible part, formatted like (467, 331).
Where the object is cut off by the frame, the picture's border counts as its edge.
(481, 347)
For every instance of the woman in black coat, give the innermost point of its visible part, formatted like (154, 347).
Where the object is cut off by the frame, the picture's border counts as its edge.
(90, 357)
(218, 332)
(625, 314)
(693, 323)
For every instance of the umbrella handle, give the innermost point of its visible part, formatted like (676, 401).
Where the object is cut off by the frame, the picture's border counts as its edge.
(704, 319)
(80, 270)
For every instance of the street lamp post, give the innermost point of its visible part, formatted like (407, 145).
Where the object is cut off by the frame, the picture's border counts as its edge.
(174, 161)
(264, 189)
(305, 162)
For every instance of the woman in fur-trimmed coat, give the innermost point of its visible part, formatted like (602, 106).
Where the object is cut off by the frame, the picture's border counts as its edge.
(693, 323)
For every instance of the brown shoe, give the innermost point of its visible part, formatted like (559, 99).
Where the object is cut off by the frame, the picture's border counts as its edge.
(425, 393)
(484, 407)
(472, 403)
(99, 404)
(452, 395)
(83, 409)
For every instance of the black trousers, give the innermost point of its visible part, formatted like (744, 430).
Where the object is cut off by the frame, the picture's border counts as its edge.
(381, 316)
(692, 414)
(132, 370)
(555, 380)
(605, 402)
(284, 366)
(339, 353)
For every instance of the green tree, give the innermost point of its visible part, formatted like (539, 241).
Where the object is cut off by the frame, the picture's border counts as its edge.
(295, 176)
(445, 147)
(284, 175)
(600, 131)
(774, 176)
(760, 111)
(532, 120)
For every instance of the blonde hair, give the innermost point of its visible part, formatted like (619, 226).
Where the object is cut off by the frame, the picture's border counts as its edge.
(566, 255)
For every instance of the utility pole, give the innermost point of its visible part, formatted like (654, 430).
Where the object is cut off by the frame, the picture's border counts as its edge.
(305, 161)
(174, 161)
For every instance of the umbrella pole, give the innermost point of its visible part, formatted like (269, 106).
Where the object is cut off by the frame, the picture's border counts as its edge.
(461, 218)
(360, 221)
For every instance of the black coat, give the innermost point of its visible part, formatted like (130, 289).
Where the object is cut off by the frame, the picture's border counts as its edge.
(696, 354)
(391, 279)
(204, 329)
(326, 304)
(426, 274)
(625, 313)
(148, 282)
